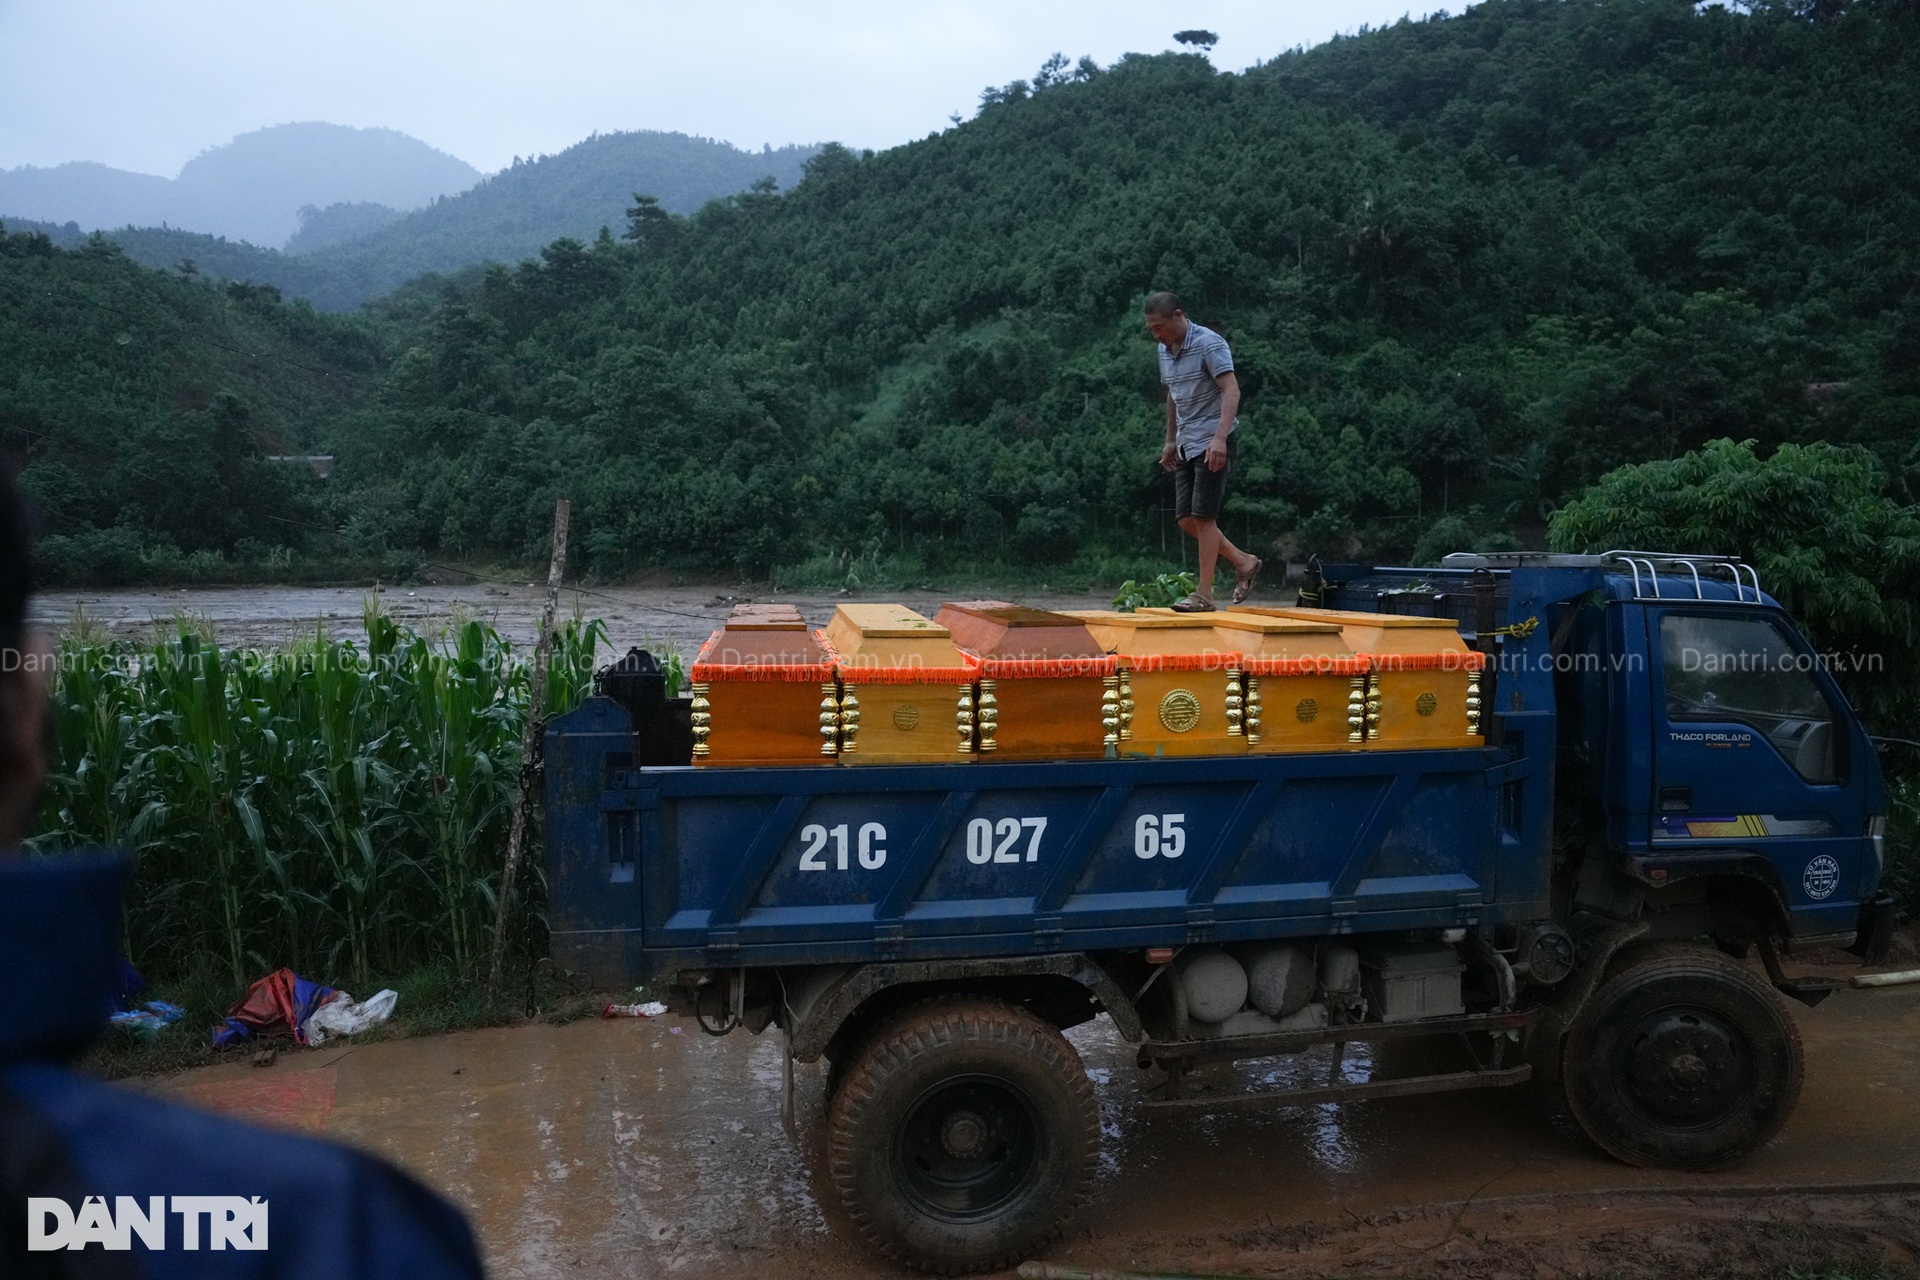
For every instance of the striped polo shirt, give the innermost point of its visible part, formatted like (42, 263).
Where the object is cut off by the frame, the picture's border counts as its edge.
(1189, 378)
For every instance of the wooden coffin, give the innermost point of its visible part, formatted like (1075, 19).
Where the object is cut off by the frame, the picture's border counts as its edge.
(764, 692)
(1180, 691)
(1057, 692)
(1424, 682)
(906, 692)
(1303, 686)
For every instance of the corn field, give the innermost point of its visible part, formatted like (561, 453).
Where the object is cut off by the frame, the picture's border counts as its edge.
(337, 806)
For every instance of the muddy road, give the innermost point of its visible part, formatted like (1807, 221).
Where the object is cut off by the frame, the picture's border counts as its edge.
(645, 1148)
(677, 618)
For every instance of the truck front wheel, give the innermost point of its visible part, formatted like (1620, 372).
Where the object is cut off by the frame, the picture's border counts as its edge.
(963, 1136)
(1682, 1060)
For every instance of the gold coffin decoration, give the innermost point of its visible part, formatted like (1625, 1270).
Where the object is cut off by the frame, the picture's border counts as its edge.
(1296, 682)
(1424, 685)
(764, 692)
(906, 692)
(1056, 690)
(1180, 690)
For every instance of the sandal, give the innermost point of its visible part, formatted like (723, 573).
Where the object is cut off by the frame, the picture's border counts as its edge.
(1243, 585)
(1195, 603)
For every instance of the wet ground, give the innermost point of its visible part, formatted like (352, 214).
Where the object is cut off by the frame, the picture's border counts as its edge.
(645, 1148)
(679, 618)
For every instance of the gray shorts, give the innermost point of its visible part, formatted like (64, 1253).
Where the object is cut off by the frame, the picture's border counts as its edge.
(1199, 492)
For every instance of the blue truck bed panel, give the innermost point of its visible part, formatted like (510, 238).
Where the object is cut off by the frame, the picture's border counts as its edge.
(680, 867)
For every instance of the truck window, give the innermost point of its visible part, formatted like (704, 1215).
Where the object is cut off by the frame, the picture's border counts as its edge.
(1745, 670)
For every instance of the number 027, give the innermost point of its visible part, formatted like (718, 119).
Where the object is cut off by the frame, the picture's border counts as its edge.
(990, 841)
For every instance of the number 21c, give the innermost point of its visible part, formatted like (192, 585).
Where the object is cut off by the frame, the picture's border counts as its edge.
(872, 849)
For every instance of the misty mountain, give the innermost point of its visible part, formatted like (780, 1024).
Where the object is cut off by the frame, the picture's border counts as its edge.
(527, 206)
(249, 189)
(343, 257)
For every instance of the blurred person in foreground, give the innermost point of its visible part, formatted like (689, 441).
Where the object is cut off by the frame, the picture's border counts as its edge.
(1203, 422)
(96, 1181)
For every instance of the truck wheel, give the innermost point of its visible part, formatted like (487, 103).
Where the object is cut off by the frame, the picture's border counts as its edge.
(1682, 1060)
(963, 1136)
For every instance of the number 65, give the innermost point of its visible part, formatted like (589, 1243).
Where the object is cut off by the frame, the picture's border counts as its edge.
(1159, 835)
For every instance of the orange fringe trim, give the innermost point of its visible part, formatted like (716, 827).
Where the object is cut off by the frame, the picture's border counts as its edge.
(705, 671)
(1471, 660)
(1328, 664)
(856, 674)
(1151, 662)
(1047, 668)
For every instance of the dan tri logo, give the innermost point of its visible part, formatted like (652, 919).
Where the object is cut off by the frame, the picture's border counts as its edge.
(231, 1222)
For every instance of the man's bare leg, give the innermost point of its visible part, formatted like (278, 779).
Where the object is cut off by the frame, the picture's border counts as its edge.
(1214, 545)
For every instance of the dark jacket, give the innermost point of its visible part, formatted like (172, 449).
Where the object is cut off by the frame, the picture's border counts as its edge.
(331, 1212)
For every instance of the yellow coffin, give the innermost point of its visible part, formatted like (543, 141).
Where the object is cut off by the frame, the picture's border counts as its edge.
(1180, 691)
(906, 692)
(1424, 685)
(1304, 687)
(764, 692)
(1057, 691)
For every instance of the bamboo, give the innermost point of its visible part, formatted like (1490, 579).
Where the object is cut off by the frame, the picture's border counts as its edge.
(529, 743)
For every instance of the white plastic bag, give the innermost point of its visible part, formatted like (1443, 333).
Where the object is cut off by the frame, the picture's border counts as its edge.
(341, 1016)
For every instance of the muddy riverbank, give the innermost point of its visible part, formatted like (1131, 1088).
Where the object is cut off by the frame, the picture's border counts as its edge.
(642, 1148)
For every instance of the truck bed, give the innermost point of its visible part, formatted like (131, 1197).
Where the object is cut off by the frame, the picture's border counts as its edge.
(653, 870)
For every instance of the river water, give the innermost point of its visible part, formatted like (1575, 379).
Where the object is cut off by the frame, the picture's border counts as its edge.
(659, 618)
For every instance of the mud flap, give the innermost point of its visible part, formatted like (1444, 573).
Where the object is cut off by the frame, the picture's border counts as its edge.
(1597, 947)
(1874, 938)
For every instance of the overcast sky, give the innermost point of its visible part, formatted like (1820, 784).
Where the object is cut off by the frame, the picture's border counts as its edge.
(147, 84)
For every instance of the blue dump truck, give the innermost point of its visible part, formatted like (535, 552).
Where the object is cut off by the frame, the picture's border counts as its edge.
(1671, 785)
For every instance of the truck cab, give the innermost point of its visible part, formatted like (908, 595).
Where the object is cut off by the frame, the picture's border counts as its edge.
(1710, 776)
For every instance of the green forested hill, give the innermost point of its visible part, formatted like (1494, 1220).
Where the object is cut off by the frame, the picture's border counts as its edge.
(1467, 265)
(506, 217)
(146, 406)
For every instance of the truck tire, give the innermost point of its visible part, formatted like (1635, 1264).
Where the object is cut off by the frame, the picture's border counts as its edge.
(1683, 1059)
(963, 1136)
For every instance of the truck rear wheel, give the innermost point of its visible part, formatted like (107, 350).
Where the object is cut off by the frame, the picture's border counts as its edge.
(1682, 1060)
(963, 1135)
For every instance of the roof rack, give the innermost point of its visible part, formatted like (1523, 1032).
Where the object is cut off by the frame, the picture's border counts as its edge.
(1738, 571)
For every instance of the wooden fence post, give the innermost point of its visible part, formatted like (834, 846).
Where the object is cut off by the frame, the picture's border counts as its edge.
(529, 743)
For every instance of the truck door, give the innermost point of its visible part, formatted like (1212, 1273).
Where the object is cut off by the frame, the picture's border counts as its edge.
(1751, 756)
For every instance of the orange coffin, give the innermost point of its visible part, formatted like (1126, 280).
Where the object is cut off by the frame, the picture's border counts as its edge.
(1304, 687)
(1424, 684)
(1180, 690)
(1056, 691)
(906, 692)
(764, 692)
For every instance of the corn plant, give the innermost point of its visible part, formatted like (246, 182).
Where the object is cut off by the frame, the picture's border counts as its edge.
(337, 806)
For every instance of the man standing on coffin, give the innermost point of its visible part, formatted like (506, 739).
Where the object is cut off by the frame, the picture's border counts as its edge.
(1203, 406)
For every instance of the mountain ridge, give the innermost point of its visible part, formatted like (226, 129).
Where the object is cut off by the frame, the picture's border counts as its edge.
(505, 217)
(249, 188)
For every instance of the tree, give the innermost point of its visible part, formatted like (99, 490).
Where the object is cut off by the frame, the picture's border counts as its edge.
(1814, 520)
(1198, 38)
(1052, 72)
(648, 225)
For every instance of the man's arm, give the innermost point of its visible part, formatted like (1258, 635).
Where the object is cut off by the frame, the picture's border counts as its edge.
(1229, 410)
(1170, 453)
